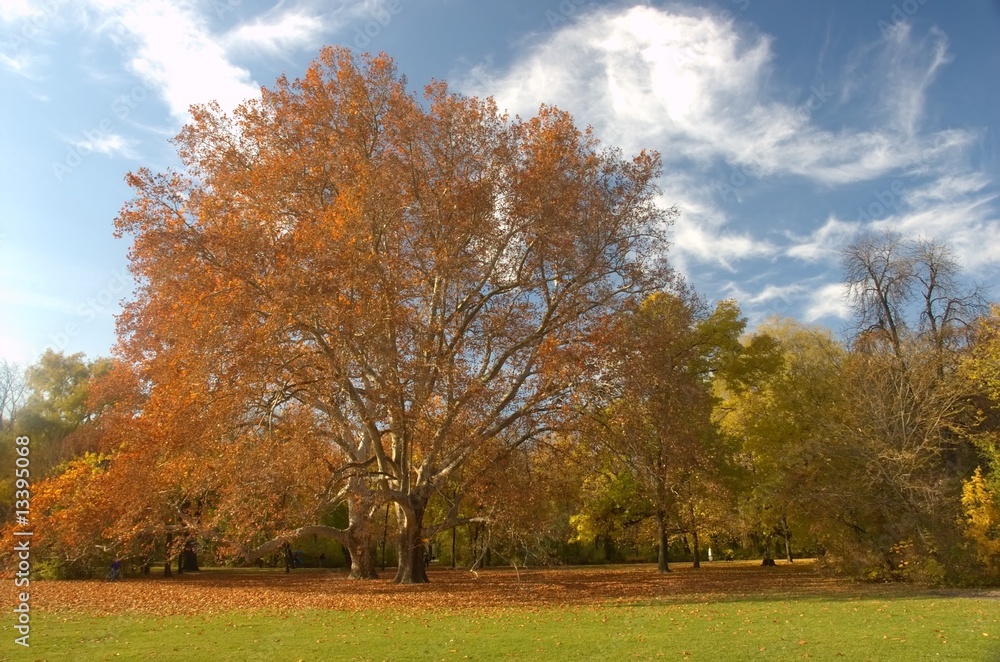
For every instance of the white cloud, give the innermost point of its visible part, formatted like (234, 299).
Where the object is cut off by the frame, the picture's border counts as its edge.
(824, 243)
(697, 238)
(968, 221)
(20, 10)
(947, 188)
(174, 51)
(106, 143)
(780, 293)
(170, 44)
(703, 92)
(279, 34)
(829, 300)
(912, 66)
(700, 233)
(693, 84)
(770, 300)
(19, 65)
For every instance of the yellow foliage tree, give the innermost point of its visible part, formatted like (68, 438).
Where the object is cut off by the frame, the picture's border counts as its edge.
(981, 509)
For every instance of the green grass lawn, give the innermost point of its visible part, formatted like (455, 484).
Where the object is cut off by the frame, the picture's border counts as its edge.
(905, 629)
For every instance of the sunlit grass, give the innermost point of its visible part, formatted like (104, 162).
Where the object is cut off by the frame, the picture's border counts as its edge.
(910, 628)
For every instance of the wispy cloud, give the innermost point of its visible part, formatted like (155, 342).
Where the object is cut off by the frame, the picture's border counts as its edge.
(704, 91)
(110, 144)
(176, 49)
(693, 82)
(963, 211)
(700, 234)
(768, 296)
(26, 297)
(275, 34)
(696, 238)
(909, 66)
(824, 242)
(828, 301)
(19, 65)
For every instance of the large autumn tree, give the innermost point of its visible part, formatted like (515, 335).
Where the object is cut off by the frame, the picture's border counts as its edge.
(423, 283)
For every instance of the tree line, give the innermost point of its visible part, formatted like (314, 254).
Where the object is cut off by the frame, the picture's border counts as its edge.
(360, 315)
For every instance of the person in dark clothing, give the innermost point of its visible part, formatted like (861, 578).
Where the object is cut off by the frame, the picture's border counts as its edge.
(116, 570)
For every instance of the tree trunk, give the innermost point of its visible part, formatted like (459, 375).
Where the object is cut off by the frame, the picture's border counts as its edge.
(190, 557)
(359, 538)
(787, 532)
(362, 560)
(696, 551)
(411, 568)
(166, 564)
(662, 562)
(768, 559)
(385, 533)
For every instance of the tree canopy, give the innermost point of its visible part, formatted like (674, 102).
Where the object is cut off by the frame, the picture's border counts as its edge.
(422, 283)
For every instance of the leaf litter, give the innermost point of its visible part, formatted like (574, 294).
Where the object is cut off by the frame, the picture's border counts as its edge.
(493, 590)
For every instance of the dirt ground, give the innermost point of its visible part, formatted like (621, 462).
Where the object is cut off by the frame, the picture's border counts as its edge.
(224, 590)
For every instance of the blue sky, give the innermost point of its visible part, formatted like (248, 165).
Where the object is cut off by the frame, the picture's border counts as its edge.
(784, 126)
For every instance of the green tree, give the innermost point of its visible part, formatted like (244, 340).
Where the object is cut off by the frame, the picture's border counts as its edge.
(659, 417)
(57, 406)
(781, 423)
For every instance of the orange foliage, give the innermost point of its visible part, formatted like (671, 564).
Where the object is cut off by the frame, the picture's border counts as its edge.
(377, 289)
